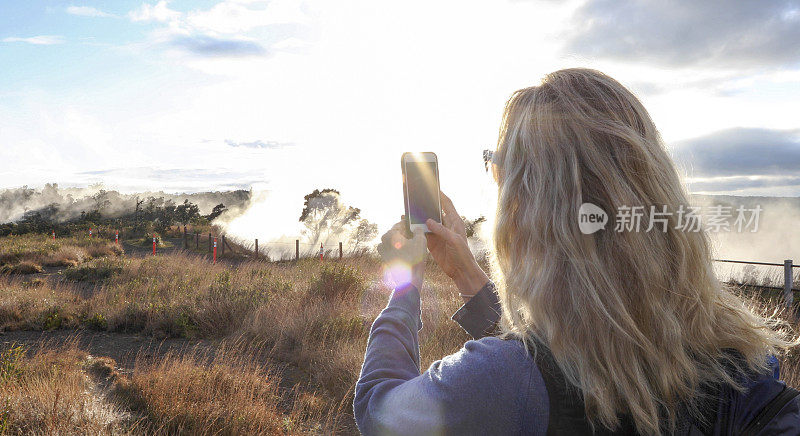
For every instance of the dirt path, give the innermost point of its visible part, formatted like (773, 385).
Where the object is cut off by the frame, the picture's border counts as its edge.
(123, 348)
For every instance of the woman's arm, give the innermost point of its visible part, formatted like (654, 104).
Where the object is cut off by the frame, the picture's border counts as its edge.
(482, 389)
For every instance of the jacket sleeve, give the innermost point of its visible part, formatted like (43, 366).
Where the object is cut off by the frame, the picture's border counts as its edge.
(479, 316)
(474, 391)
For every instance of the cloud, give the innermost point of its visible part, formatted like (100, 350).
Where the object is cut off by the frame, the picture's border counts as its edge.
(741, 152)
(718, 33)
(258, 144)
(37, 40)
(87, 11)
(206, 45)
(235, 16)
(222, 30)
(158, 12)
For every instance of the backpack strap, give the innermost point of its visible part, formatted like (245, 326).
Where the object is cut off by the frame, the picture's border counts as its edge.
(770, 411)
(567, 415)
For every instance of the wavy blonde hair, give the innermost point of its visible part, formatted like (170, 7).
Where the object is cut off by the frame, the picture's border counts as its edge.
(638, 321)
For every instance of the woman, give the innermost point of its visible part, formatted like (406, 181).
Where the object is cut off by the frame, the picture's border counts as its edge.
(627, 331)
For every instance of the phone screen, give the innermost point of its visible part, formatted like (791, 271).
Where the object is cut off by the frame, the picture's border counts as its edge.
(423, 192)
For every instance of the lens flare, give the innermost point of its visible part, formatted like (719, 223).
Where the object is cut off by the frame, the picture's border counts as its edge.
(397, 274)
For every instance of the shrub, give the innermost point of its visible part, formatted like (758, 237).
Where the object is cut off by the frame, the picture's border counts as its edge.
(107, 249)
(96, 322)
(65, 256)
(94, 271)
(24, 267)
(50, 319)
(338, 281)
(10, 361)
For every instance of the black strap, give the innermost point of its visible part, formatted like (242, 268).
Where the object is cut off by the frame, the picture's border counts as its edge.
(567, 414)
(769, 411)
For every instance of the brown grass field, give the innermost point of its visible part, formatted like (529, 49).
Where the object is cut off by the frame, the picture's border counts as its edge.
(265, 348)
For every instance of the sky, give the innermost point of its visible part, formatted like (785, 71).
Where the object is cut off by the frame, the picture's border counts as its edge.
(285, 96)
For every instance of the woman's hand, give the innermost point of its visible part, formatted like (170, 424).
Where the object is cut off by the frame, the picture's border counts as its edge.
(403, 258)
(447, 243)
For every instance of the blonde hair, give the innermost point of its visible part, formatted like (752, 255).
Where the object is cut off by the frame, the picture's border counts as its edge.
(638, 321)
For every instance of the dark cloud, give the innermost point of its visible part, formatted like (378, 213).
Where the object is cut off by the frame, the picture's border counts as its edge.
(204, 45)
(741, 152)
(739, 34)
(258, 144)
(741, 183)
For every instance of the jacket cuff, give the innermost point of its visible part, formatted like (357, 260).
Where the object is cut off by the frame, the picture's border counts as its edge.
(479, 316)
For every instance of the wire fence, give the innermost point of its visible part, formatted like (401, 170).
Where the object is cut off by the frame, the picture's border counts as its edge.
(206, 242)
(788, 278)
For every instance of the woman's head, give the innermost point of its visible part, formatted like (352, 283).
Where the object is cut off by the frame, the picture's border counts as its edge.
(636, 318)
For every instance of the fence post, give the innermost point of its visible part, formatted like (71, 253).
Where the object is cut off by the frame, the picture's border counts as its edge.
(340, 250)
(209, 243)
(223, 245)
(185, 240)
(197, 240)
(788, 295)
(296, 249)
(256, 248)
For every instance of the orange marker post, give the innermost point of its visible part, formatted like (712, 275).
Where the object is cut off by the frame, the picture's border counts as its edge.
(154, 244)
(90, 232)
(215, 250)
(116, 237)
(54, 235)
(320, 251)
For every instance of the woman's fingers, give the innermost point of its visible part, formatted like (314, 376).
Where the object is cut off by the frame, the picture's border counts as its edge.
(447, 205)
(451, 217)
(439, 230)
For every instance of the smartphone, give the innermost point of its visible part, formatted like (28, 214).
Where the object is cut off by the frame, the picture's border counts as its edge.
(421, 189)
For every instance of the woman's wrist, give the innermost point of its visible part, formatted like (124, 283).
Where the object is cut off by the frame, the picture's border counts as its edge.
(470, 281)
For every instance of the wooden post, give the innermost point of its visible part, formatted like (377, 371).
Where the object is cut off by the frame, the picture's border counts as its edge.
(197, 240)
(209, 243)
(223, 245)
(185, 239)
(340, 250)
(256, 248)
(296, 249)
(788, 295)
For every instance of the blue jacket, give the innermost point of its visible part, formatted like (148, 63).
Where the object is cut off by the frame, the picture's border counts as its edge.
(490, 386)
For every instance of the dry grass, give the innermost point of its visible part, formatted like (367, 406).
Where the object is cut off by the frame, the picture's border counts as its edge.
(49, 392)
(63, 390)
(314, 316)
(26, 254)
(194, 394)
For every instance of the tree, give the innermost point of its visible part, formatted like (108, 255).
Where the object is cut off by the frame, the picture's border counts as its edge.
(101, 200)
(364, 232)
(217, 211)
(325, 214)
(471, 226)
(186, 212)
